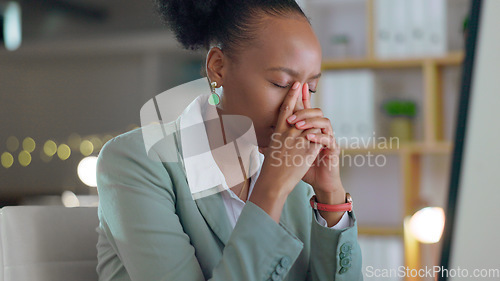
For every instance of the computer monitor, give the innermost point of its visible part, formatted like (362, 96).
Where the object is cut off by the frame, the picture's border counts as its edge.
(471, 240)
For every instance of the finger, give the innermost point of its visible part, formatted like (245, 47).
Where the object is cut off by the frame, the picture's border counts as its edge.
(288, 106)
(310, 131)
(304, 114)
(324, 139)
(300, 103)
(306, 96)
(316, 122)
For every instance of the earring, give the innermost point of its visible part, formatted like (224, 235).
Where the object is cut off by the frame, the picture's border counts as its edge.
(214, 97)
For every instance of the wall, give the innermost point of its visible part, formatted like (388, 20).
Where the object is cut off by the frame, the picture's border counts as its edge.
(89, 87)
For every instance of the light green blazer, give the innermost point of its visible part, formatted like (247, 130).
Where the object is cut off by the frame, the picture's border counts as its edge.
(151, 229)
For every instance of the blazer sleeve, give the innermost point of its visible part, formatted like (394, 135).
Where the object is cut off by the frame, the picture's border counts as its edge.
(137, 214)
(335, 253)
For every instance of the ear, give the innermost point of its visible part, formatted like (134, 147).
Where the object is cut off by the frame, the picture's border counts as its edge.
(216, 65)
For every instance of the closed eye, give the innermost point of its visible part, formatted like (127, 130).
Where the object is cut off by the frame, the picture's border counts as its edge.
(284, 87)
(280, 85)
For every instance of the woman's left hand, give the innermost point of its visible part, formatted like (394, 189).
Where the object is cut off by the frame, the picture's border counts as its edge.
(324, 175)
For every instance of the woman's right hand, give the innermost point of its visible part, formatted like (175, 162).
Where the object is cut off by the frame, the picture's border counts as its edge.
(289, 154)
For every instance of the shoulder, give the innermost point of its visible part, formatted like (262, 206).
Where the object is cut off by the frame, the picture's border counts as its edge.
(141, 144)
(138, 157)
(127, 143)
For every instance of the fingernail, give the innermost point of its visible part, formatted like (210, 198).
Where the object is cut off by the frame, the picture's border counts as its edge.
(310, 136)
(296, 85)
(291, 118)
(300, 123)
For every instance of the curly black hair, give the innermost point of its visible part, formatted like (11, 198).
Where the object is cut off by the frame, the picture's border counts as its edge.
(228, 24)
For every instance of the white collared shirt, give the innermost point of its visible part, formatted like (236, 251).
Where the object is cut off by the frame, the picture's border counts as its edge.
(202, 170)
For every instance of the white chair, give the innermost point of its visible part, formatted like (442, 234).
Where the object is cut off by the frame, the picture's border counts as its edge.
(48, 243)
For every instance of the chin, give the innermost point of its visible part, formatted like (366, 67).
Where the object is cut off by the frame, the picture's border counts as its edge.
(264, 141)
(264, 136)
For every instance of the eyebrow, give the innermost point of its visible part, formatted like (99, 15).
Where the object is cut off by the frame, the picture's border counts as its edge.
(291, 71)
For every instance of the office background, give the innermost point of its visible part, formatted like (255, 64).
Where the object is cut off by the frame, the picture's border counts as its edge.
(85, 68)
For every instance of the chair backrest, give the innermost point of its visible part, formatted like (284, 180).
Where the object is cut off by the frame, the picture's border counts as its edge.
(42, 243)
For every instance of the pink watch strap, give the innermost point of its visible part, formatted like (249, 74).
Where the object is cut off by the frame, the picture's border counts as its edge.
(330, 208)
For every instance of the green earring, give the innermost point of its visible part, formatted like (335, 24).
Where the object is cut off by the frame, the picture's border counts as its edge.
(214, 98)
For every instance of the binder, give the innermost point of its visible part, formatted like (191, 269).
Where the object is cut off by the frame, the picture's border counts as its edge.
(331, 98)
(436, 37)
(364, 98)
(383, 36)
(347, 99)
(416, 28)
(399, 22)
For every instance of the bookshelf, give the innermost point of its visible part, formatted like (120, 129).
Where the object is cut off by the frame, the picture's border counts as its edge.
(452, 59)
(433, 141)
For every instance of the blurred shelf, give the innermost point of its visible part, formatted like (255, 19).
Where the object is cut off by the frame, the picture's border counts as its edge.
(451, 59)
(404, 148)
(150, 42)
(329, 3)
(431, 148)
(380, 231)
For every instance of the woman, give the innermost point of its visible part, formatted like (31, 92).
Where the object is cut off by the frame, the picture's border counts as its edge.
(266, 59)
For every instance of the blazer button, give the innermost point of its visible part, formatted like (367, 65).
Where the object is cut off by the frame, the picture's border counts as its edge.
(285, 262)
(344, 255)
(345, 262)
(275, 276)
(346, 247)
(343, 270)
(280, 269)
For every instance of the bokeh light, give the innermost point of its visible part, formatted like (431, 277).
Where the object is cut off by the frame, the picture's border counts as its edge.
(50, 148)
(24, 158)
(427, 224)
(96, 142)
(86, 148)
(11, 25)
(132, 127)
(12, 143)
(74, 141)
(45, 158)
(63, 151)
(87, 170)
(106, 138)
(7, 160)
(29, 144)
(69, 199)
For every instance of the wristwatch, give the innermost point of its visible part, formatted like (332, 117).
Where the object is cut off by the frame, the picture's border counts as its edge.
(347, 206)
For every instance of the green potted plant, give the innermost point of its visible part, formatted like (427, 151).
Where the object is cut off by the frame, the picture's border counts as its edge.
(401, 113)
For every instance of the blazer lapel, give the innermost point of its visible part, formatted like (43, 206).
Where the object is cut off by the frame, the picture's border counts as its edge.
(214, 211)
(211, 207)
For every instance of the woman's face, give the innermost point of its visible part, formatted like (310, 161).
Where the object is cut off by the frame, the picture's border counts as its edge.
(286, 50)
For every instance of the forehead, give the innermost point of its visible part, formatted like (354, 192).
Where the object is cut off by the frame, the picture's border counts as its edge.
(285, 42)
